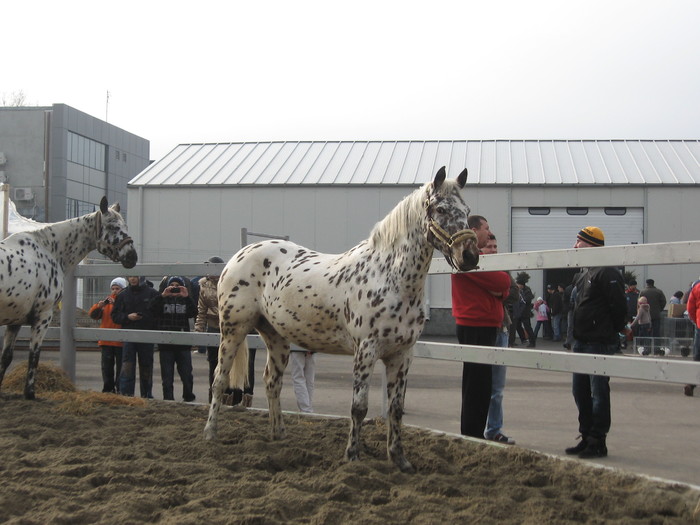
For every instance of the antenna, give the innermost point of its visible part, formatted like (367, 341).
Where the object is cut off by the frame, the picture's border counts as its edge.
(107, 108)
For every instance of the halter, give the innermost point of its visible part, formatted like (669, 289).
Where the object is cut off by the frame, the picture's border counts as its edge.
(98, 227)
(440, 233)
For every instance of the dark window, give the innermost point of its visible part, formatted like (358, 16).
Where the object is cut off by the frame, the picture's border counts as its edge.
(577, 211)
(539, 211)
(615, 211)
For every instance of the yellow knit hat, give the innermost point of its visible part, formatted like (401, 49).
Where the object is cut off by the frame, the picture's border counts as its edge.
(592, 235)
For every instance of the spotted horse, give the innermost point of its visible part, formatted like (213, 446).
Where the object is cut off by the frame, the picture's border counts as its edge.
(366, 302)
(32, 267)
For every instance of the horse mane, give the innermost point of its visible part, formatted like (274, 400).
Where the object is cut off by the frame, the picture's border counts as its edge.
(405, 216)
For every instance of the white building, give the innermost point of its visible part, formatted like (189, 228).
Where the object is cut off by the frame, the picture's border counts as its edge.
(536, 195)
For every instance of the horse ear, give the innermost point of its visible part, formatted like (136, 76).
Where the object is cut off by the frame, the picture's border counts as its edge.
(103, 205)
(115, 207)
(439, 178)
(462, 178)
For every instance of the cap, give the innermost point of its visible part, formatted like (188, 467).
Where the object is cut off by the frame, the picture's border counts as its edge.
(214, 259)
(650, 282)
(119, 281)
(592, 235)
(176, 279)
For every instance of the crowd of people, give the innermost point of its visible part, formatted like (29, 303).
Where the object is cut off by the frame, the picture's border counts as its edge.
(588, 315)
(178, 305)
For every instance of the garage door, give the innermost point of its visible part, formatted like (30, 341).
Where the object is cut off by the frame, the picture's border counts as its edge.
(555, 228)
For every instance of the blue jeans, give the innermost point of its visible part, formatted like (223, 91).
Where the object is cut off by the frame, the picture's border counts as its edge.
(127, 379)
(170, 356)
(494, 421)
(592, 394)
(556, 327)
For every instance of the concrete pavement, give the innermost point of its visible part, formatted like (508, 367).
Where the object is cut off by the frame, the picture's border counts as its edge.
(655, 429)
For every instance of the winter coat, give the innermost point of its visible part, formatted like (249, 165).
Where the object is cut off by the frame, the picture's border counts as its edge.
(657, 300)
(173, 313)
(134, 299)
(600, 309)
(104, 313)
(207, 307)
(693, 305)
(473, 303)
(556, 303)
(643, 315)
(542, 311)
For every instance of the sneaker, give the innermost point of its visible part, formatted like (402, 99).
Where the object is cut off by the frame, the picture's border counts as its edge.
(567, 346)
(502, 438)
(578, 448)
(688, 390)
(596, 449)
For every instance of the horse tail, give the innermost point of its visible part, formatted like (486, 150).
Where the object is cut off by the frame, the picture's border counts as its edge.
(238, 376)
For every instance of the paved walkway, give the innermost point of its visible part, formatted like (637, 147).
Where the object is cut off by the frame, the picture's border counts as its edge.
(656, 429)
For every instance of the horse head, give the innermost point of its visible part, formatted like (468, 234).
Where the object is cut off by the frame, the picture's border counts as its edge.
(446, 222)
(113, 238)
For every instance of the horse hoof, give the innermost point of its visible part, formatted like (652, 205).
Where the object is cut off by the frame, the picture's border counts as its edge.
(29, 395)
(405, 466)
(209, 434)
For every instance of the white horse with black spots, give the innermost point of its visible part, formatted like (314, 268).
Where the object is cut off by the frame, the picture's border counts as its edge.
(32, 267)
(366, 302)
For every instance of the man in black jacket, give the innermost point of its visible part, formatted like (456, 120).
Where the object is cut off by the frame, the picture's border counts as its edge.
(131, 312)
(600, 313)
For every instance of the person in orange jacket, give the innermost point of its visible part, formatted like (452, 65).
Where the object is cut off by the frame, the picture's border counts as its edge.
(111, 350)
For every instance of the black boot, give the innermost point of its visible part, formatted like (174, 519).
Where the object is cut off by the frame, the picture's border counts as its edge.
(596, 448)
(578, 448)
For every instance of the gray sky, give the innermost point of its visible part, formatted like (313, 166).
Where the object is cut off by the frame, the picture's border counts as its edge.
(208, 71)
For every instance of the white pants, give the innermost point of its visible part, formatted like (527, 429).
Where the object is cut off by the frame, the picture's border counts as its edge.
(303, 370)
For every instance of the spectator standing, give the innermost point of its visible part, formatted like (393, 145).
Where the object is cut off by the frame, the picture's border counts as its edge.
(131, 311)
(111, 351)
(642, 321)
(494, 420)
(303, 367)
(172, 309)
(522, 310)
(676, 298)
(556, 308)
(657, 303)
(600, 314)
(694, 316)
(477, 306)
(542, 316)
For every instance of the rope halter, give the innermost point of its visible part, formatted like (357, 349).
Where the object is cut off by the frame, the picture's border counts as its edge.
(439, 232)
(98, 227)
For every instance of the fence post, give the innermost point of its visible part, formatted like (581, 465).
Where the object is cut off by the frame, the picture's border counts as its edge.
(67, 344)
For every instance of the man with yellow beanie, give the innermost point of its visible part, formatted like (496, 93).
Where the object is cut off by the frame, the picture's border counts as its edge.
(600, 313)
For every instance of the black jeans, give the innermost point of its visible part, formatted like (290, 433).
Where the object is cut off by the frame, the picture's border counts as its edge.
(592, 394)
(180, 356)
(476, 381)
(111, 367)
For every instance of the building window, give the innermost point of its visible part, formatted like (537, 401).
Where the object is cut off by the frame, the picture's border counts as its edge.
(116, 156)
(85, 152)
(577, 211)
(76, 208)
(615, 211)
(539, 211)
(124, 157)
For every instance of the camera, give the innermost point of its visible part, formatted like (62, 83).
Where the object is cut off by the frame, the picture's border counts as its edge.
(175, 289)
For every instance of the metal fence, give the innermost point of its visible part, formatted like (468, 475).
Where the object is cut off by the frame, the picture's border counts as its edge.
(666, 368)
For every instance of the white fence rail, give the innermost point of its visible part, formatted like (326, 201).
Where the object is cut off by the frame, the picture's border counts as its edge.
(671, 370)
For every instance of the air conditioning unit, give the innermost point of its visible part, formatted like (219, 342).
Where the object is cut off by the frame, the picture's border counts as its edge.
(23, 194)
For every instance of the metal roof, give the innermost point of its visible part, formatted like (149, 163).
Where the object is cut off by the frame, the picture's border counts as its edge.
(547, 162)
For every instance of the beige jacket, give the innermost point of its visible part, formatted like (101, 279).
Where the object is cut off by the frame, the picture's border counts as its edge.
(208, 307)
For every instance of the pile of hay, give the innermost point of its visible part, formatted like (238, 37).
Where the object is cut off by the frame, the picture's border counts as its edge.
(51, 382)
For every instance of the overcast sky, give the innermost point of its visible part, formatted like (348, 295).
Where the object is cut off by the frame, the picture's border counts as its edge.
(180, 72)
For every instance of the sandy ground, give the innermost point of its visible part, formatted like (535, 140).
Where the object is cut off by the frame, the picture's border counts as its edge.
(62, 462)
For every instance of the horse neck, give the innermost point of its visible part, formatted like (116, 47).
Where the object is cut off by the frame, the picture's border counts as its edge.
(401, 247)
(71, 240)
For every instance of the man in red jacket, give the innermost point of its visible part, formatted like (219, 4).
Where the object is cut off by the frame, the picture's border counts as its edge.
(477, 306)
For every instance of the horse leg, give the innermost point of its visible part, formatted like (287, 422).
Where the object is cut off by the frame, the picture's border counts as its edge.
(39, 327)
(277, 359)
(396, 370)
(365, 357)
(233, 346)
(8, 346)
